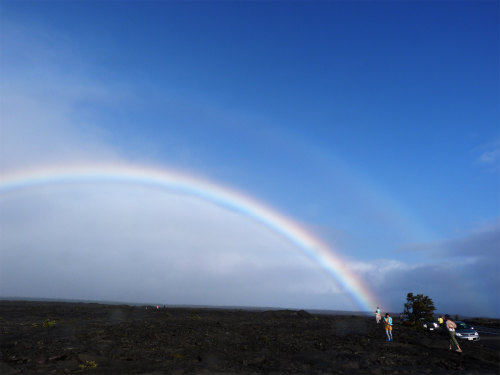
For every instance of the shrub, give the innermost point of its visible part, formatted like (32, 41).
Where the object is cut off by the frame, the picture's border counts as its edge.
(418, 307)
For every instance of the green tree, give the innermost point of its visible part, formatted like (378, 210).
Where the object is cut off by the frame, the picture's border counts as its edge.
(418, 307)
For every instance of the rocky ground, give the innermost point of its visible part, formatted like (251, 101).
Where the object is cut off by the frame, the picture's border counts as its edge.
(41, 337)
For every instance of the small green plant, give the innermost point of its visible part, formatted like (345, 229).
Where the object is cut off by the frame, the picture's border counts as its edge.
(47, 323)
(194, 316)
(34, 325)
(176, 356)
(88, 365)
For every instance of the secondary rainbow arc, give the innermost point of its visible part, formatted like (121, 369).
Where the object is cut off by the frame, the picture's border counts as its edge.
(310, 245)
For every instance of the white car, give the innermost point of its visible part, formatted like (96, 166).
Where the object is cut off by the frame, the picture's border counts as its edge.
(431, 326)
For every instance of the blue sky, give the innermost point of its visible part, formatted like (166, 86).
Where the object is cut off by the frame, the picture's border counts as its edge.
(373, 124)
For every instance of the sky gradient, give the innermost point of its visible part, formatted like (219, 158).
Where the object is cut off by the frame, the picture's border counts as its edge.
(372, 126)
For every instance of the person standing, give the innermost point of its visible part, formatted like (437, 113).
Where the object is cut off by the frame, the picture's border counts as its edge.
(440, 321)
(377, 315)
(388, 327)
(451, 326)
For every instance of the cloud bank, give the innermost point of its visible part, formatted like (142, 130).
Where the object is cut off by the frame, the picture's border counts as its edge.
(460, 273)
(109, 242)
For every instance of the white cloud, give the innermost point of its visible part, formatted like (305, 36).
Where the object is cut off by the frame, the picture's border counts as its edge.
(489, 154)
(117, 242)
(489, 157)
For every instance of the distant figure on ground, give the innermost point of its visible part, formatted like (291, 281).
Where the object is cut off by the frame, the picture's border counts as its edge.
(388, 326)
(451, 326)
(377, 315)
(440, 321)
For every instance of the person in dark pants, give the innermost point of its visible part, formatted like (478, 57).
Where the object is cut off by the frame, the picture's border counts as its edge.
(451, 326)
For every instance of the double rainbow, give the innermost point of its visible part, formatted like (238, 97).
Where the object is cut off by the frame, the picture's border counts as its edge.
(172, 180)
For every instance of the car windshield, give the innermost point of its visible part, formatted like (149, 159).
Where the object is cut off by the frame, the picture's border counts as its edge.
(462, 325)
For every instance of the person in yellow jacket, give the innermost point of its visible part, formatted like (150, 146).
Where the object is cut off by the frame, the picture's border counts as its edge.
(388, 326)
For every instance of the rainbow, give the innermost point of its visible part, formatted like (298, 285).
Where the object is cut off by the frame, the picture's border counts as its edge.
(173, 180)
